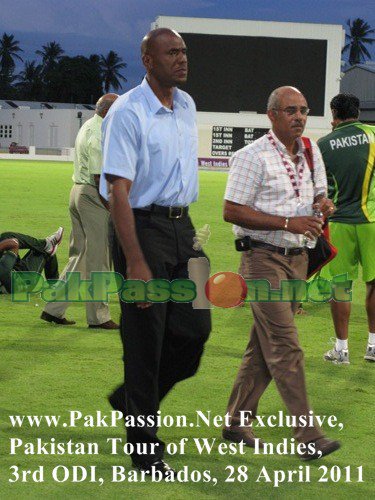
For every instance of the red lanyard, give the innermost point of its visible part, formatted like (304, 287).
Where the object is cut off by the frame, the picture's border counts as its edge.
(295, 182)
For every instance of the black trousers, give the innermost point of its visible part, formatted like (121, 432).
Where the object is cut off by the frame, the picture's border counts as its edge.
(162, 344)
(36, 259)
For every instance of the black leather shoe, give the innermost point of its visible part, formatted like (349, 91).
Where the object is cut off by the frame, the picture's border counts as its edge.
(160, 466)
(52, 319)
(323, 446)
(117, 399)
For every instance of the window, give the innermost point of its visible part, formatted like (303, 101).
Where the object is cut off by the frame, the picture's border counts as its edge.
(6, 131)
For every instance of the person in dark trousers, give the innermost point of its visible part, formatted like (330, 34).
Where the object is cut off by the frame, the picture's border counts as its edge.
(40, 256)
(150, 163)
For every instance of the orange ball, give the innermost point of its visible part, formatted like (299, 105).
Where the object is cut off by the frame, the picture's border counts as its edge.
(226, 289)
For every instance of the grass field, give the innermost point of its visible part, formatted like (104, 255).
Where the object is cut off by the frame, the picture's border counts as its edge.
(47, 370)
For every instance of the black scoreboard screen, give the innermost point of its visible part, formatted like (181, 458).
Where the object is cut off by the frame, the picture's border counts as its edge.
(227, 140)
(237, 73)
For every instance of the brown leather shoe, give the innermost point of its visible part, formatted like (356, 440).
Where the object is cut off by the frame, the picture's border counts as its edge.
(108, 325)
(236, 435)
(323, 446)
(59, 321)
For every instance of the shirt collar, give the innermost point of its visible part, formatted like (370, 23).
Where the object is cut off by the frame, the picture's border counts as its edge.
(281, 146)
(345, 124)
(155, 104)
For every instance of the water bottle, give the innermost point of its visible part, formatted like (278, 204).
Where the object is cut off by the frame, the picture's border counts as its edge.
(311, 242)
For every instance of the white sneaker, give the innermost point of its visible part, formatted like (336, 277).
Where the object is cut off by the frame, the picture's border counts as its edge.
(370, 353)
(53, 241)
(337, 357)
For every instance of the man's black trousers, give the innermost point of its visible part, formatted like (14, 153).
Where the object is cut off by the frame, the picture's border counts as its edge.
(162, 344)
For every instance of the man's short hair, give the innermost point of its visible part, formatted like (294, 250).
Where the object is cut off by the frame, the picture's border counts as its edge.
(273, 100)
(149, 40)
(346, 106)
(103, 105)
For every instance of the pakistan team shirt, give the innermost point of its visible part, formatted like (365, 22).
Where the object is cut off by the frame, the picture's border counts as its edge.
(349, 153)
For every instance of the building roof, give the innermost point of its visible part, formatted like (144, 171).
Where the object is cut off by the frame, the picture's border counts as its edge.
(367, 105)
(12, 104)
(368, 66)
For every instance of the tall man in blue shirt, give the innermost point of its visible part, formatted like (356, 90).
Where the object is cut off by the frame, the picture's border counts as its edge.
(150, 164)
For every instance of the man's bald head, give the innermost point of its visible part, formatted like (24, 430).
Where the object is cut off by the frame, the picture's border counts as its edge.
(151, 39)
(276, 96)
(165, 59)
(104, 103)
(287, 109)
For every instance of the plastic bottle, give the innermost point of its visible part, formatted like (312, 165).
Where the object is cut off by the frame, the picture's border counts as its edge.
(311, 242)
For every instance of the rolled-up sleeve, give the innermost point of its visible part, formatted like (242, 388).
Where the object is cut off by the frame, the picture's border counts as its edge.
(245, 176)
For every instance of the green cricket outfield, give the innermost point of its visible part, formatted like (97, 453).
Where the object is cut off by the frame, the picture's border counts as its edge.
(52, 370)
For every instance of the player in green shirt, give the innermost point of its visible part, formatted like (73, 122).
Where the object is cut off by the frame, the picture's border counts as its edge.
(40, 256)
(349, 153)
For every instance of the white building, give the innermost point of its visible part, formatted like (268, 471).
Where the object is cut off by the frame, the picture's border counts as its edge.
(50, 126)
(233, 66)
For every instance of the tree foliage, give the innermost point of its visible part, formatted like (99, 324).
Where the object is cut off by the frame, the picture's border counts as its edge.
(30, 81)
(9, 51)
(111, 64)
(51, 53)
(358, 37)
(74, 79)
(58, 77)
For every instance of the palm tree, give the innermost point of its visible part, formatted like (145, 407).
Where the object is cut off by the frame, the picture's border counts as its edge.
(74, 79)
(110, 67)
(51, 54)
(358, 37)
(94, 58)
(9, 48)
(30, 81)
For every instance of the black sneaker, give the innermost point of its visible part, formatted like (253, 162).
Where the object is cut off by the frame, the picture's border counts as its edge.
(157, 466)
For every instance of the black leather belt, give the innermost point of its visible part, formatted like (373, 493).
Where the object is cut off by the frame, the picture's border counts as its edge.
(170, 212)
(280, 250)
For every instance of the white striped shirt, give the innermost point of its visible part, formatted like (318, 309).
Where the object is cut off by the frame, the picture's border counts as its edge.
(259, 179)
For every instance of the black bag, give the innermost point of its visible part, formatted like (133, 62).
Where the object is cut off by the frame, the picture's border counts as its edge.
(324, 251)
(319, 256)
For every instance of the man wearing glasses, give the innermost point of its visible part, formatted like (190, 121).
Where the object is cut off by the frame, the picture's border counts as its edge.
(269, 197)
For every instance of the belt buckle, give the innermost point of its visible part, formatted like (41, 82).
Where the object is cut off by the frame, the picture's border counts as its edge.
(179, 215)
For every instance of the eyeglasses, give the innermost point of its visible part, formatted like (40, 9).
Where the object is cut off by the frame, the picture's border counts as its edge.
(293, 110)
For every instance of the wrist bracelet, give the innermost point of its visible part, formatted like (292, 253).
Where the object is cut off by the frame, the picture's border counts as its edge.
(286, 223)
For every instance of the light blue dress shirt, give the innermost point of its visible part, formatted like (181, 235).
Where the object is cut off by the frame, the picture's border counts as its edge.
(153, 146)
